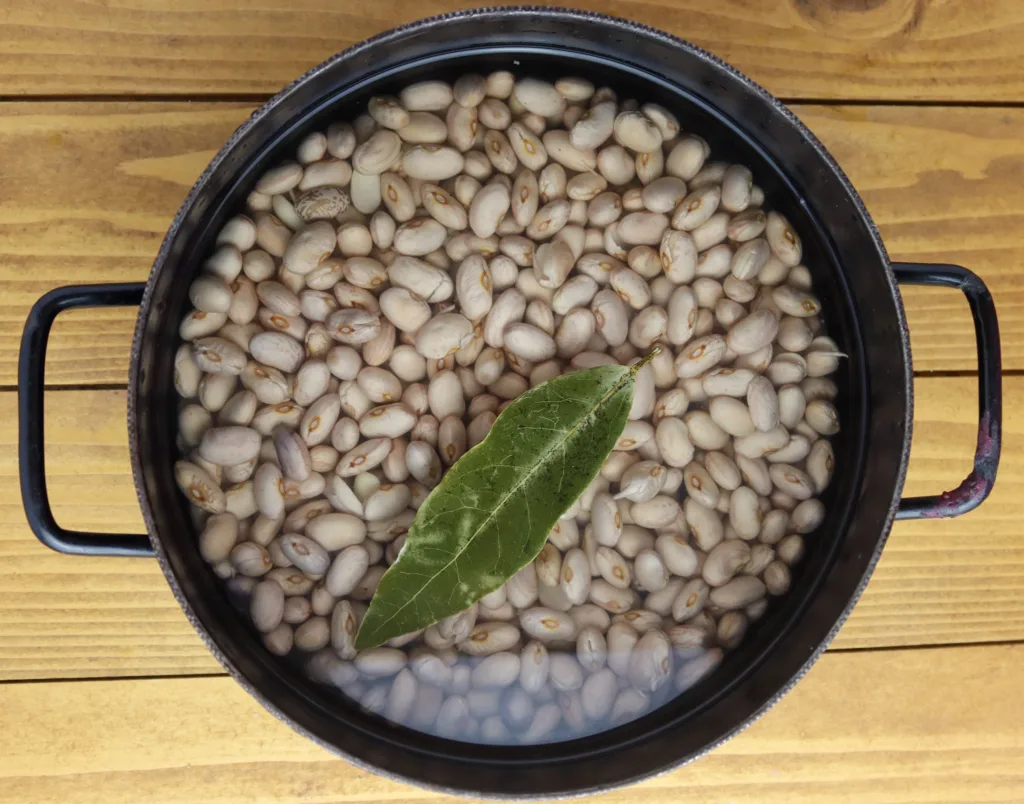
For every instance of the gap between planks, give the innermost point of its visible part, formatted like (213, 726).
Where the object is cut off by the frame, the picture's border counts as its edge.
(906, 727)
(894, 50)
(123, 386)
(158, 676)
(261, 98)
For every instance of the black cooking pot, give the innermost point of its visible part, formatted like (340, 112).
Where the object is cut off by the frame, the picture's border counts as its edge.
(851, 270)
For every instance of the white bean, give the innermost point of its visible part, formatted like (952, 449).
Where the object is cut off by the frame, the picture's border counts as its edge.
(365, 344)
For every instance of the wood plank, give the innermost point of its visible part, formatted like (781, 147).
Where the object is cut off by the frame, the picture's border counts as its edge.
(938, 725)
(90, 617)
(938, 184)
(897, 50)
(93, 209)
(952, 581)
(108, 178)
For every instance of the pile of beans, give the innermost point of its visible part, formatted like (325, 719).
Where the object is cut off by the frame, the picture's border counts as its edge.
(389, 291)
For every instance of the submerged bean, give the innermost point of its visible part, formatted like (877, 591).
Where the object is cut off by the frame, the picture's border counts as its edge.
(388, 294)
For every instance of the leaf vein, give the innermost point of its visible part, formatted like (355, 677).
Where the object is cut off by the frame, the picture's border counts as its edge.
(531, 464)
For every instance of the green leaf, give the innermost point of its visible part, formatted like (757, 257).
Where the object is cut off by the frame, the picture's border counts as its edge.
(491, 513)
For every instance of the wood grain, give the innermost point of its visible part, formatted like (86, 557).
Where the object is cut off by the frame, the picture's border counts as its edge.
(103, 180)
(91, 205)
(828, 49)
(942, 725)
(951, 581)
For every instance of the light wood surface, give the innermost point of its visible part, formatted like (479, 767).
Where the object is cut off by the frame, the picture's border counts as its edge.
(114, 175)
(869, 49)
(93, 206)
(946, 581)
(108, 113)
(893, 726)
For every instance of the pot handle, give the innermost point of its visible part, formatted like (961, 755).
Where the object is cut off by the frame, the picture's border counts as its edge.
(977, 485)
(31, 454)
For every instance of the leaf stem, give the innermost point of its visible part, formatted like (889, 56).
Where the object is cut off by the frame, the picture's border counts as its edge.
(635, 369)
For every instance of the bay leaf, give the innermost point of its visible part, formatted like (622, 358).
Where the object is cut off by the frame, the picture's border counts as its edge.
(491, 513)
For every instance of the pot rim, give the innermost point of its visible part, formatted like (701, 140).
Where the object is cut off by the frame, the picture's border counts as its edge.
(498, 14)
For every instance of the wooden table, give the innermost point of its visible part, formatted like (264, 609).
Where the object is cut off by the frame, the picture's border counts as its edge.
(108, 112)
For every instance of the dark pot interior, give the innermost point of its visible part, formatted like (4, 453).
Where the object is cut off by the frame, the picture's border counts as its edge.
(863, 313)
